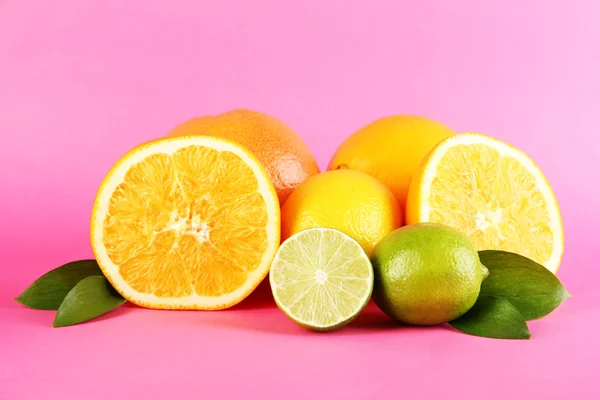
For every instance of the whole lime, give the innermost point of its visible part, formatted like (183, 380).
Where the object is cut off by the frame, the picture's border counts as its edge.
(426, 274)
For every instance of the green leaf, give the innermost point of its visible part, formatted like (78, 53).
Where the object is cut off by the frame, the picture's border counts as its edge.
(493, 317)
(48, 291)
(90, 298)
(531, 288)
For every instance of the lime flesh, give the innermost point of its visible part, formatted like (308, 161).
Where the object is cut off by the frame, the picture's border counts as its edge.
(321, 278)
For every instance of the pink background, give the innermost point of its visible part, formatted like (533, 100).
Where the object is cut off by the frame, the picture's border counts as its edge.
(81, 83)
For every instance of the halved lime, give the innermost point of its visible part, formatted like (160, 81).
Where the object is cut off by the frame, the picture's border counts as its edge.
(321, 278)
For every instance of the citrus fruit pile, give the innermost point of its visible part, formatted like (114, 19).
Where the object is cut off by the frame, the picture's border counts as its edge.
(197, 219)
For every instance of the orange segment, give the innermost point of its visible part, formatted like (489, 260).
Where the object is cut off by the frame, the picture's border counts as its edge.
(492, 192)
(187, 222)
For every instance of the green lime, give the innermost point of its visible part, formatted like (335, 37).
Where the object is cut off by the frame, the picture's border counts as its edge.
(426, 274)
(321, 278)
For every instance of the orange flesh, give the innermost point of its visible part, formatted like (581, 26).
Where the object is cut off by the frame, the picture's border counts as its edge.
(180, 224)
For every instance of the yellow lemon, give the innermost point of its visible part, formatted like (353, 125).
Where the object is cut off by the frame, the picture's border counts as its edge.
(391, 149)
(492, 192)
(349, 201)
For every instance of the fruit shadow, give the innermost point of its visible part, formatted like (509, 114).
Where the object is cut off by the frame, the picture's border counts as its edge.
(261, 298)
(262, 315)
(124, 309)
(373, 319)
(259, 312)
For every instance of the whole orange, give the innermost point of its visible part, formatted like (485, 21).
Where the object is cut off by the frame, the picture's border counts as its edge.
(284, 154)
(390, 149)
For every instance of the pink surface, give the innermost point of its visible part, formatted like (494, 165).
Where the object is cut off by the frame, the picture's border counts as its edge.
(81, 83)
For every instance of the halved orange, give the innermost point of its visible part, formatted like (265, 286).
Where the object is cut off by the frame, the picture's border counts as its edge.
(492, 192)
(186, 223)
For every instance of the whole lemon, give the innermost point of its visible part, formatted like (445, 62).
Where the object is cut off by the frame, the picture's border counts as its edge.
(426, 274)
(390, 149)
(349, 201)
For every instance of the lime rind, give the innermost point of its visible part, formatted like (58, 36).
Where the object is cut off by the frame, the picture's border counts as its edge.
(321, 278)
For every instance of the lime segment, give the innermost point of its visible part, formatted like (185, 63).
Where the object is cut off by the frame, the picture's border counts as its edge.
(321, 278)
